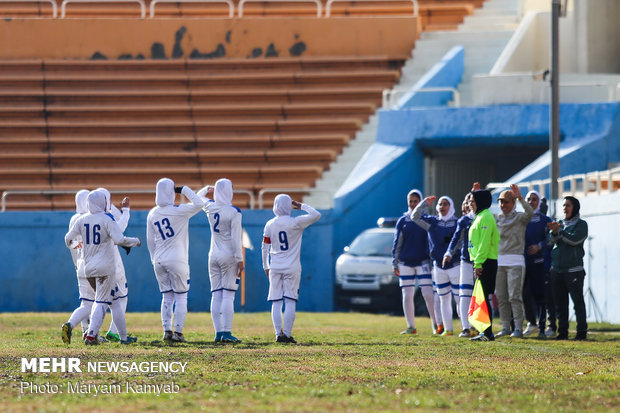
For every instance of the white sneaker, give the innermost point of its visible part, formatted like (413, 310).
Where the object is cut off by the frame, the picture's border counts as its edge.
(516, 334)
(530, 329)
(503, 333)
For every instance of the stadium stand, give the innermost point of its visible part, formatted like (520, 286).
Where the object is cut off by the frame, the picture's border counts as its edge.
(264, 123)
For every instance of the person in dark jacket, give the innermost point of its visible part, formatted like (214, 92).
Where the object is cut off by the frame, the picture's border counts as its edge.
(567, 272)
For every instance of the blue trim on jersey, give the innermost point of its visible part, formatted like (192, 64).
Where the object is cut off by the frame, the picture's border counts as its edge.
(407, 277)
(214, 291)
(466, 286)
(184, 292)
(104, 302)
(294, 299)
(278, 299)
(228, 289)
(444, 285)
(238, 210)
(167, 291)
(120, 297)
(86, 299)
(175, 206)
(466, 296)
(406, 286)
(237, 281)
(111, 216)
(449, 292)
(425, 277)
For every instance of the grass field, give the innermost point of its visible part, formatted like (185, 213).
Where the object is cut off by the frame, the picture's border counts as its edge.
(343, 362)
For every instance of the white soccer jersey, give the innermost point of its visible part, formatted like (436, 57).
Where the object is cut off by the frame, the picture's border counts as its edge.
(81, 209)
(284, 233)
(167, 224)
(225, 222)
(99, 233)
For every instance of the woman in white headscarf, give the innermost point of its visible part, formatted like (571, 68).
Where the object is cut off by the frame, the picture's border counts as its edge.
(167, 236)
(446, 275)
(281, 249)
(225, 256)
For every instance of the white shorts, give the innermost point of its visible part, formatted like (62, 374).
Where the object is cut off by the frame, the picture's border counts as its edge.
(172, 276)
(409, 275)
(86, 291)
(446, 281)
(283, 285)
(223, 275)
(121, 289)
(104, 287)
(466, 282)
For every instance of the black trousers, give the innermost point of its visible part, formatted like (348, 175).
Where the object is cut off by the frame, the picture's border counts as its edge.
(487, 280)
(550, 302)
(534, 300)
(563, 284)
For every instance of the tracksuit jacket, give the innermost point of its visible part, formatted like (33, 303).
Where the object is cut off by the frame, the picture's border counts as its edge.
(567, 253)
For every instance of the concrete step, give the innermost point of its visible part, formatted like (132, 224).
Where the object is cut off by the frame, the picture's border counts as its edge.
(489, 28)
(457, 36)
(491, 20)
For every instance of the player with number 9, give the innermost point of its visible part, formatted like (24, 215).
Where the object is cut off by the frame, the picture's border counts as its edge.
(281, 249)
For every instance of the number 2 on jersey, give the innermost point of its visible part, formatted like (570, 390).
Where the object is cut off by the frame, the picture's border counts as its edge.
(283, 240)
(165, 225)
(96, 235)
(216, 218)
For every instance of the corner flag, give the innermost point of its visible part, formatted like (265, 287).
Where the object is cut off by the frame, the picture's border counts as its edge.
(478, 314)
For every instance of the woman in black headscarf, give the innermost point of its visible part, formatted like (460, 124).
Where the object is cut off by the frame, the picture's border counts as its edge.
(567, 272)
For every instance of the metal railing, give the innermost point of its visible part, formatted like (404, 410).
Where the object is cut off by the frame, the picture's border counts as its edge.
(231, 6)
(44, 192)
(390, 95)
(319, 6)
(63, 6)
(264, 191)
(52, 2)
(328, 6)
(590, 183)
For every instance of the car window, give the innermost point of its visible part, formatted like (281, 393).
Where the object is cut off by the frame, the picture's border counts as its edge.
(377, 244)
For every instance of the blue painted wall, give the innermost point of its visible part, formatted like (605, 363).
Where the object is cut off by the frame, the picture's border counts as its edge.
(37, 271)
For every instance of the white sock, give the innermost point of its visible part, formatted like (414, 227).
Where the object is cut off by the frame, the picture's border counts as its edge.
(228, 309)
(429, 299)
(276, 316)
(408, 307)
(97, 315)
(81, 314)
(289, 316)
(167, 303)
(216, 310)
(123, 308)
(446, 311)
(464, 302)
(437, 308)
(180, 312)
(118, 316)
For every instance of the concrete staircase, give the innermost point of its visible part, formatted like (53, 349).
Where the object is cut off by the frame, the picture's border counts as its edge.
(484, 36)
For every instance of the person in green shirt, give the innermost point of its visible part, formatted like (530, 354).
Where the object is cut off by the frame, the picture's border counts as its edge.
(483, 248)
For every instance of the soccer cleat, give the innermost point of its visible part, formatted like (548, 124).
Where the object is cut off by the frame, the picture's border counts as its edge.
(229, 338)
(129, 340)
(503, 333)
(178, 337)
(465, 333)
(91, 341)
(101, 339)
(281, 339)
(290, 340)
(66, 333)
(439, 330)
(167, 335)
(409, 330)
(113, 337)
(550, 332)
(479, 337)
(447, 333)
(530, 329)
(218, 337)
(581, 336)
(517, 334)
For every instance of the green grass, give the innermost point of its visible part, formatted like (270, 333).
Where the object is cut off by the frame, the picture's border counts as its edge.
(343, 362)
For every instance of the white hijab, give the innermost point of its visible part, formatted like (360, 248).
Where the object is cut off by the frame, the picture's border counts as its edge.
(105, 193)
(96, 202)
(416, 192)
(223, 192)
(81, 206)
(164, 192)
(450, 213)
(282, 205)
(539, 199)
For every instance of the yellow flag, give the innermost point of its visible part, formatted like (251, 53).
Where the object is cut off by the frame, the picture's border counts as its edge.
(478, 315)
